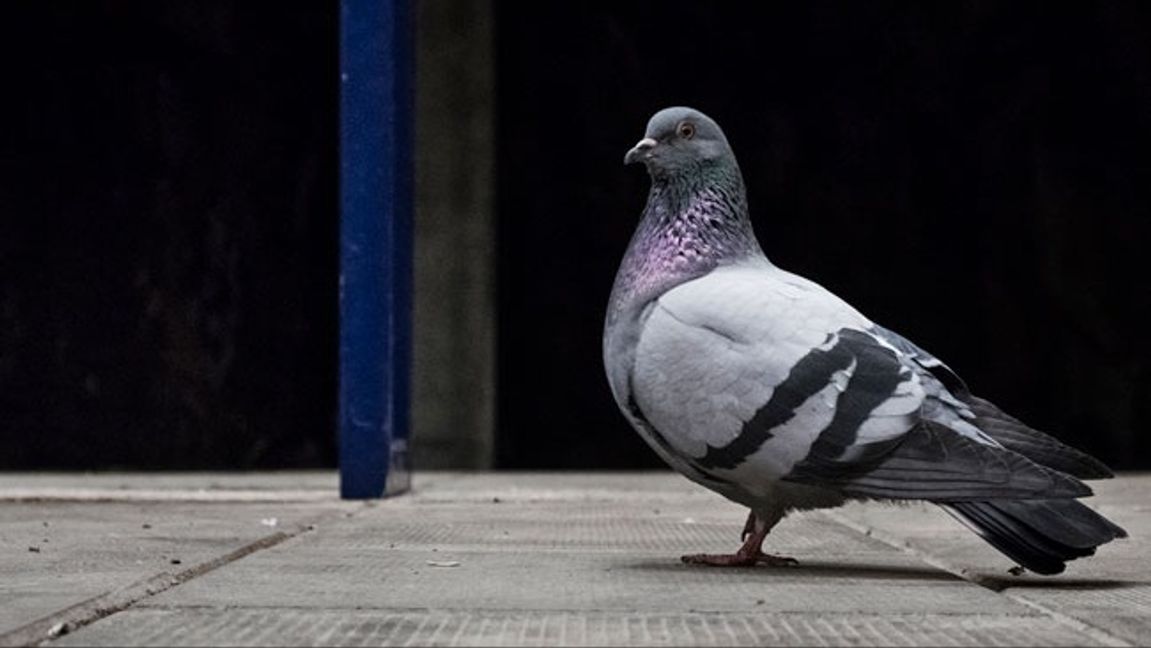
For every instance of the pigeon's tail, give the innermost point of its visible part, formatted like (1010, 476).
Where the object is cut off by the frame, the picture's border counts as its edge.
(1040, 535)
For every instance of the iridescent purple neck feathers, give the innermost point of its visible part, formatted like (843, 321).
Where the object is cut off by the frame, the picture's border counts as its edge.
(692, 223)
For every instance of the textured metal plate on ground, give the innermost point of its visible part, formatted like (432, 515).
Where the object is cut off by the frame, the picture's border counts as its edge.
(292, 627)
(576, 556)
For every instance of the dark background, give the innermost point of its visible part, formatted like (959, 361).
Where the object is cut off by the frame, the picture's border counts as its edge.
(975, 176)
(168, 237)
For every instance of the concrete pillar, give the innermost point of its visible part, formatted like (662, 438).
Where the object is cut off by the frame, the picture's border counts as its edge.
(453, 372)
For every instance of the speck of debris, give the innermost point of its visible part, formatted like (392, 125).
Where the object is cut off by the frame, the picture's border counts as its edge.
(175, 561)
(34, 549)
(145, 526)
(496, 500)
(759, 601)
(1015, 571)
(442, 563)
(45, 524)
(59, 630)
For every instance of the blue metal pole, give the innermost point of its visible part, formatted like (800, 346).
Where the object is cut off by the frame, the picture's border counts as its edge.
(376, 132)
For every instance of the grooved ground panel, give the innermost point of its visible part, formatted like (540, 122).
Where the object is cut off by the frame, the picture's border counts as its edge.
(579, 556)
(579, 527)
(294, 627)
(576, 582)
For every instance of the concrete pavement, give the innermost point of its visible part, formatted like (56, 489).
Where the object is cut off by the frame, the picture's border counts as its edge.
(524, 559)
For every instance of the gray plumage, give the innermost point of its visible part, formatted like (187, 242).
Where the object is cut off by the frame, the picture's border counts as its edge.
(772, 391)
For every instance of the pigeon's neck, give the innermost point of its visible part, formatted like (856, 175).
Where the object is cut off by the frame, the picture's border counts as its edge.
(692, 224)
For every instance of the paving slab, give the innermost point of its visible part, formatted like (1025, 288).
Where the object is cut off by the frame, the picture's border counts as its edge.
(522, 559)
(1110, 591)
(70, 540)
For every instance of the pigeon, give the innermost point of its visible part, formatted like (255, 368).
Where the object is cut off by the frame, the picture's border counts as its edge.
(768, 389)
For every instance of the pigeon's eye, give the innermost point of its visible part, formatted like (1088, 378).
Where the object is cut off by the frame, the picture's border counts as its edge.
(686, 130)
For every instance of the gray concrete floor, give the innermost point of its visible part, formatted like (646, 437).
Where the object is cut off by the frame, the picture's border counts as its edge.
(524, 559)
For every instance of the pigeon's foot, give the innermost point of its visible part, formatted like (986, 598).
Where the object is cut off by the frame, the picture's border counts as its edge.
(720, 560)
(749, 555)
(771, 560)
(739, 559)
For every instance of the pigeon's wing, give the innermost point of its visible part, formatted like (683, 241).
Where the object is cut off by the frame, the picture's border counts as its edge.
(1009, 431)
(712, 366)
(934, 462)
(1033, 444)
(756, 375)
(942, 458)
(940, 371)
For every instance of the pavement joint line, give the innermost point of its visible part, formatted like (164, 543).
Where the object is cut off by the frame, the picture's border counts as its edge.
(907, 547)
(997, 586)
(1098, 634)
(77, 616)
(112, 495)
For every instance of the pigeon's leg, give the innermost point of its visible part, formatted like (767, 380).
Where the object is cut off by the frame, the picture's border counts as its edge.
(748, 527)
(754, 533)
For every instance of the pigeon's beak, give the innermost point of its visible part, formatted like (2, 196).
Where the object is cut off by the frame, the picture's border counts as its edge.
(639, 152)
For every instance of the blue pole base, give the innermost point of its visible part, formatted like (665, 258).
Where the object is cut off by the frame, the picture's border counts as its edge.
(376, 131)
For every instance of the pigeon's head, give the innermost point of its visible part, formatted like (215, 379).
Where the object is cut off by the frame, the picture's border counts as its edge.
(679, 139)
